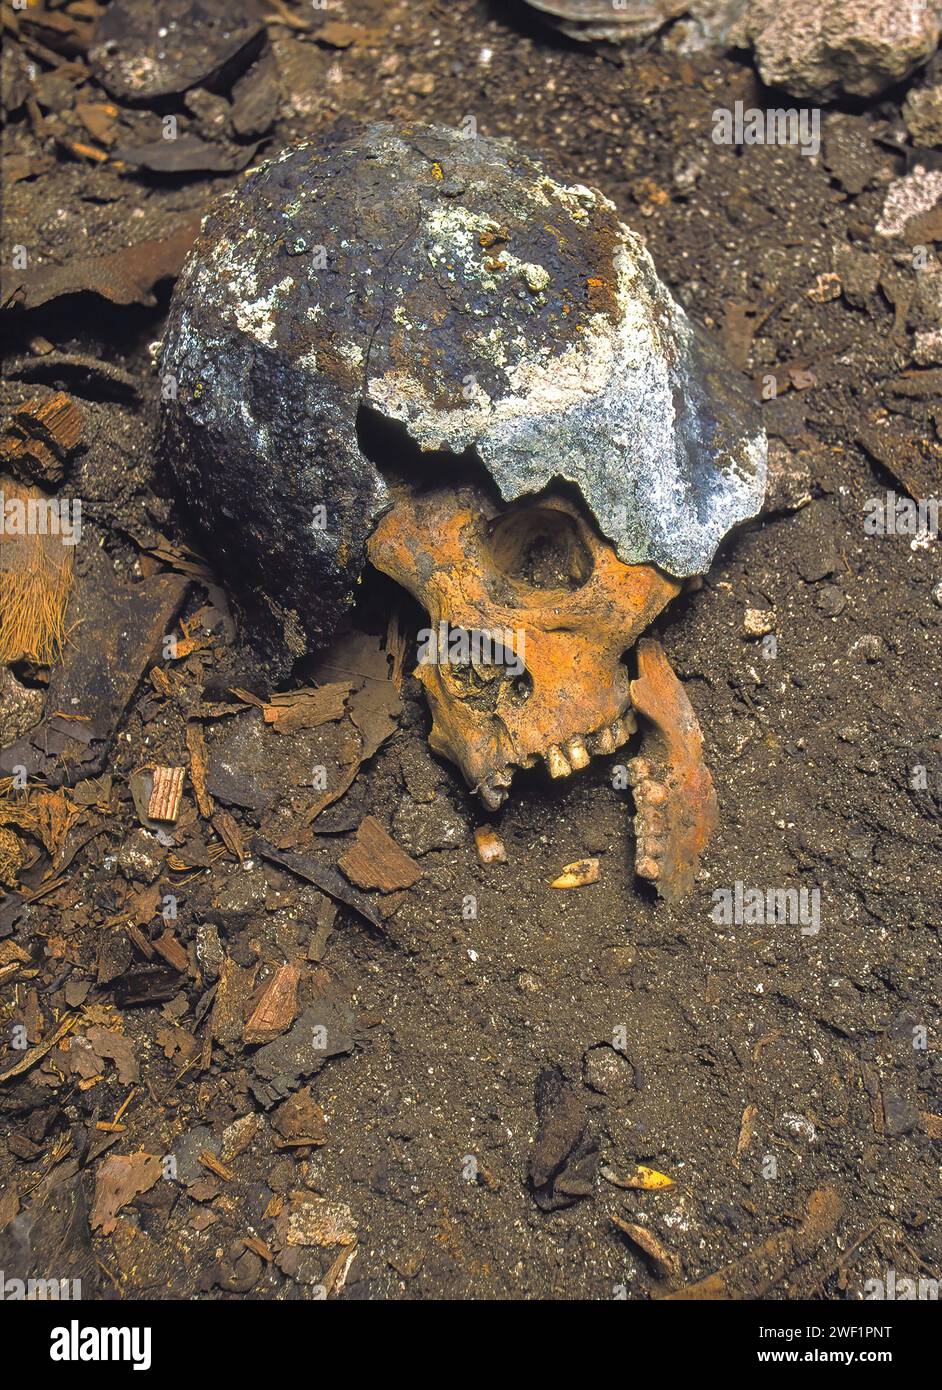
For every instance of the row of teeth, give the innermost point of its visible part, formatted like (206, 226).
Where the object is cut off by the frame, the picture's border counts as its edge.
(650, 819)
(562, 759)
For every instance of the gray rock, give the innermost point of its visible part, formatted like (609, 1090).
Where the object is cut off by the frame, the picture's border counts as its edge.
(324, 1030)
(420, 827)
(857, 47)
(141, 857)
(922, 112)
(588, 20)
(20, 708)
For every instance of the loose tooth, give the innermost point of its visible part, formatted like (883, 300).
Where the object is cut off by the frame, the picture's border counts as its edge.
(557, 764)
(648, 868)
(604, 741)
(490, 847)
(577, 875)
(576, 752)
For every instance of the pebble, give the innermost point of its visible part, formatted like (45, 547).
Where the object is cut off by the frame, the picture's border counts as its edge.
(758, 622)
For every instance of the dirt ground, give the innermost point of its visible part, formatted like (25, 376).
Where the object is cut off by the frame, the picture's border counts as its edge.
(754, 1064)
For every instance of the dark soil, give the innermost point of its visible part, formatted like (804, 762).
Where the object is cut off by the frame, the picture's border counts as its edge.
(751, 1063)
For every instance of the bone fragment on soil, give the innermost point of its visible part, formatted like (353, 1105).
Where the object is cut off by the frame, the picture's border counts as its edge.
(676, 810)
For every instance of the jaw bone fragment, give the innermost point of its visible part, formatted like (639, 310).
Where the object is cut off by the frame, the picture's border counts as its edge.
(676, 809)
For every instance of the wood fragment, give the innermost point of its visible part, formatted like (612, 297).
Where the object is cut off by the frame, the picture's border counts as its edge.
(35, 578)
(227, 830)
(323, 876)
(306, 709)
(276, 1010)
(34, 1054)
(746, 1131)
(121, 1178)
(260, 1248)
(196, 746)
(215, 1165)
(167, 794)
(765, 1267)
(173, 953)
(376, 861)
(664, 1262)
(56, 421)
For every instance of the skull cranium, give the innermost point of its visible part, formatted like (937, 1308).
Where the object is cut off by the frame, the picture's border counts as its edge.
(560, 608)
(499, 316)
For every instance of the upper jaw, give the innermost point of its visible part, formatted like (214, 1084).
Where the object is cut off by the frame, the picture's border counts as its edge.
(561, 759)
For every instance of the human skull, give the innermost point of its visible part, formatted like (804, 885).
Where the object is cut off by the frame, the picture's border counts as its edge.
(418, 341)
(530, 612)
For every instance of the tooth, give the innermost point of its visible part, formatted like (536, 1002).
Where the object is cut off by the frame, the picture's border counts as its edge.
(502, 777)
(493, 797)
(622, 730)
(654, 793)
(648, 868)
(576, 751)
(604, 741)
(638, 770)
(557, 764)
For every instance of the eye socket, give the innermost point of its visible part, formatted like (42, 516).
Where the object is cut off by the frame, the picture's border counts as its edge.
(540, 547)
(521, 688)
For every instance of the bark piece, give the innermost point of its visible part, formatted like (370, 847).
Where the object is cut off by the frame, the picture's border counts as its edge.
(376, 861)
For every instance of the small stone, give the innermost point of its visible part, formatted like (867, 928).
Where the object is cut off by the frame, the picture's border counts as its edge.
(607, 1071)
(621, 959)
(758, 622)
(870, 647)
(238, 1136)
(242, 896)
(210, 951)
(859, 273)
(830, 600)
(21, 708)
(789, 479)
(141, 857)
(433, 825)
(536, 277)
(859, 47)
(799, 1128)
(937, 594)
(825, 288)
(927, 349)
(421, 83)
(922, 112)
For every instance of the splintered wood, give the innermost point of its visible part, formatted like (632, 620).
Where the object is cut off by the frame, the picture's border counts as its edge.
(376, 861)
(167, 794)
(43, 433)
(275, 1011)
